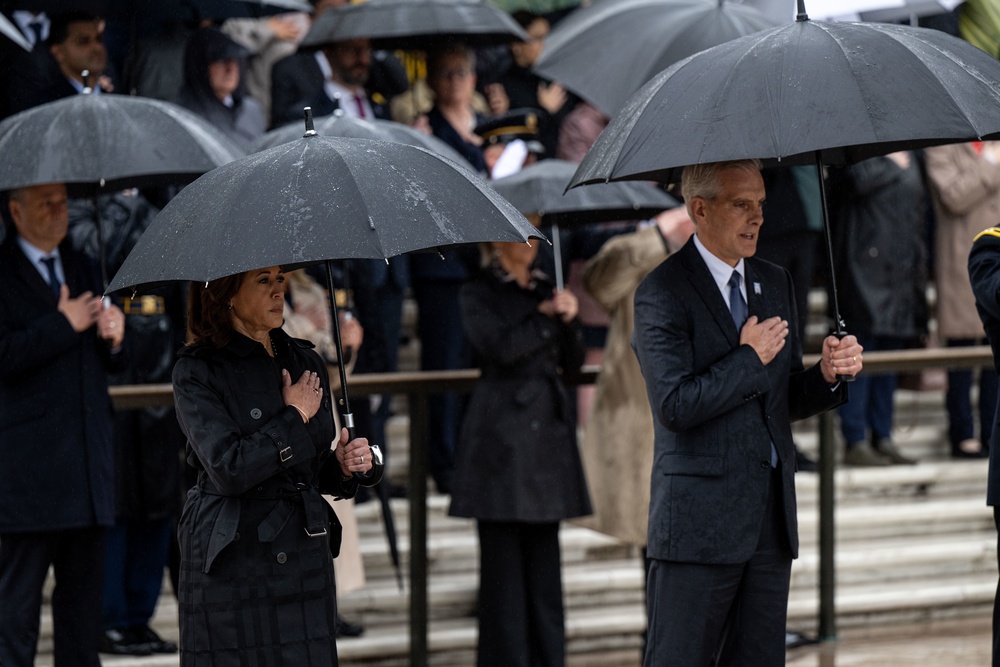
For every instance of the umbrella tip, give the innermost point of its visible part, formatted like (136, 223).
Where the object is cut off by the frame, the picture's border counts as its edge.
(87, 90)
(802, 16)
(310, 128)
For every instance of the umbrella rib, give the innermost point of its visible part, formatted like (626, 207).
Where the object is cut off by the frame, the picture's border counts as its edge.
(360, 195)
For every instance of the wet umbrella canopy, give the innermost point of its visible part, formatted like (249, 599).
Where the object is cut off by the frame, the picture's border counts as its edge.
(607, 51)
(339, 125)
(540, 189)
(847, 90)
(416, 24)
(108, 142)
(316, 199)
(160, 9)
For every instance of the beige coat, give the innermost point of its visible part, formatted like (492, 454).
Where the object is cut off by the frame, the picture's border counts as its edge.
(966, 191)
(617, 446)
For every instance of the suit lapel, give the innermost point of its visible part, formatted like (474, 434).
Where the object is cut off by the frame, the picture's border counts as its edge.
(703, 283)
(27, 272)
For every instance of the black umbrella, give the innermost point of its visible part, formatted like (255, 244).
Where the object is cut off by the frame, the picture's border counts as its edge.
(177, 9)
(339, 125)
(540, 189)
(100, 143)
(607, 51)
(416, 24)
(805, 93)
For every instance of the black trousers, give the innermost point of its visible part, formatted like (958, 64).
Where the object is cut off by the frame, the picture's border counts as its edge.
(77, 558)
(520, 595)
(725, 615)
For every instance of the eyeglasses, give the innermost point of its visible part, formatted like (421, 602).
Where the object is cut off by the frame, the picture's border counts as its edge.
(356, 51)
(454, 73)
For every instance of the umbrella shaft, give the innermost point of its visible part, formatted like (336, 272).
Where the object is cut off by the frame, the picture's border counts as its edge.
(837, 322)
(335, 319)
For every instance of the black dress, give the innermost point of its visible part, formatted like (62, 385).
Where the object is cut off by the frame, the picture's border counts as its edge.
(257, 583)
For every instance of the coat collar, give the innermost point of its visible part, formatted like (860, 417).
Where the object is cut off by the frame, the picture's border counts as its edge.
(704, 283)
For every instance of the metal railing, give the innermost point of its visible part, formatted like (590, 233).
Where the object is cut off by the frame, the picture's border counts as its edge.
(419, 385)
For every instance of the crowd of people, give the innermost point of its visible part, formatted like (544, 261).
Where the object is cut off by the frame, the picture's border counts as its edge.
(209, 489)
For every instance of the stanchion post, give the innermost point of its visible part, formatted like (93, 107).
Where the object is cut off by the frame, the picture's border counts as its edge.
(418, 527)
(827, 537)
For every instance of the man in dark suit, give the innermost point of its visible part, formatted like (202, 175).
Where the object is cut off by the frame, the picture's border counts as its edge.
(716, 338)
(27, 29)
(54, 68)
(335, 76)
(57, 475)
(984, 274)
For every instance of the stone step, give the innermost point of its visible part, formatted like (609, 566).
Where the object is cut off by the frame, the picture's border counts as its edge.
(453, 545)
(872, 604)
(585, 585)
(926, 480)
(930, 520)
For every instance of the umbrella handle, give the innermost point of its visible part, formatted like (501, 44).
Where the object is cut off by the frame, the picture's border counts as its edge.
(373, 476)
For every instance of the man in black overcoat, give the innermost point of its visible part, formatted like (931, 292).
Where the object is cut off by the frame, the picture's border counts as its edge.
(717, 340)
(57, 343)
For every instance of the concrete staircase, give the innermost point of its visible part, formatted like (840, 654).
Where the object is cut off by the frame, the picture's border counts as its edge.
(914, 543)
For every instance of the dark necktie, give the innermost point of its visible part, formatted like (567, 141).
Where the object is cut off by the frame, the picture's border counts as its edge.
(36, 28)
(54, 284)
(361, 106)
(737, 306)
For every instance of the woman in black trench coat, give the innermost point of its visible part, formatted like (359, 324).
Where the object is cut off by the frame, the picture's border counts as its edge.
(257, 539)
(518, 469)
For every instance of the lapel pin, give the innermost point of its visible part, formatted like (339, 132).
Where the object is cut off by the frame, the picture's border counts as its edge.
(756, 288)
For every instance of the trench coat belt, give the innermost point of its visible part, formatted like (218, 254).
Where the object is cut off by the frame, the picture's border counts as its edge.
(287, 496)
(315, 507)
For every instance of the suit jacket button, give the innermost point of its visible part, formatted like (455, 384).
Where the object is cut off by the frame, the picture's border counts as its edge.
(282, 557)
(765, 464)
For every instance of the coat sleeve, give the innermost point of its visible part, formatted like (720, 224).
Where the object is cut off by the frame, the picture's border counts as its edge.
(234, 462)
(683, 396)
(614, 272)
(961, 184)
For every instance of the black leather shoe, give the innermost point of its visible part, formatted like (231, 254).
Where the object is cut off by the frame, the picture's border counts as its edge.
(970, 449)
(148, 637)
(348, 629)
(117, 642)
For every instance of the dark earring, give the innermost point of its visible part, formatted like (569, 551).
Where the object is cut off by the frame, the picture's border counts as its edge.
(230, 306)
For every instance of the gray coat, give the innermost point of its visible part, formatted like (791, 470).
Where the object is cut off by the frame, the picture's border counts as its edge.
(716, 409)
(517, 457)
(255, 585)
